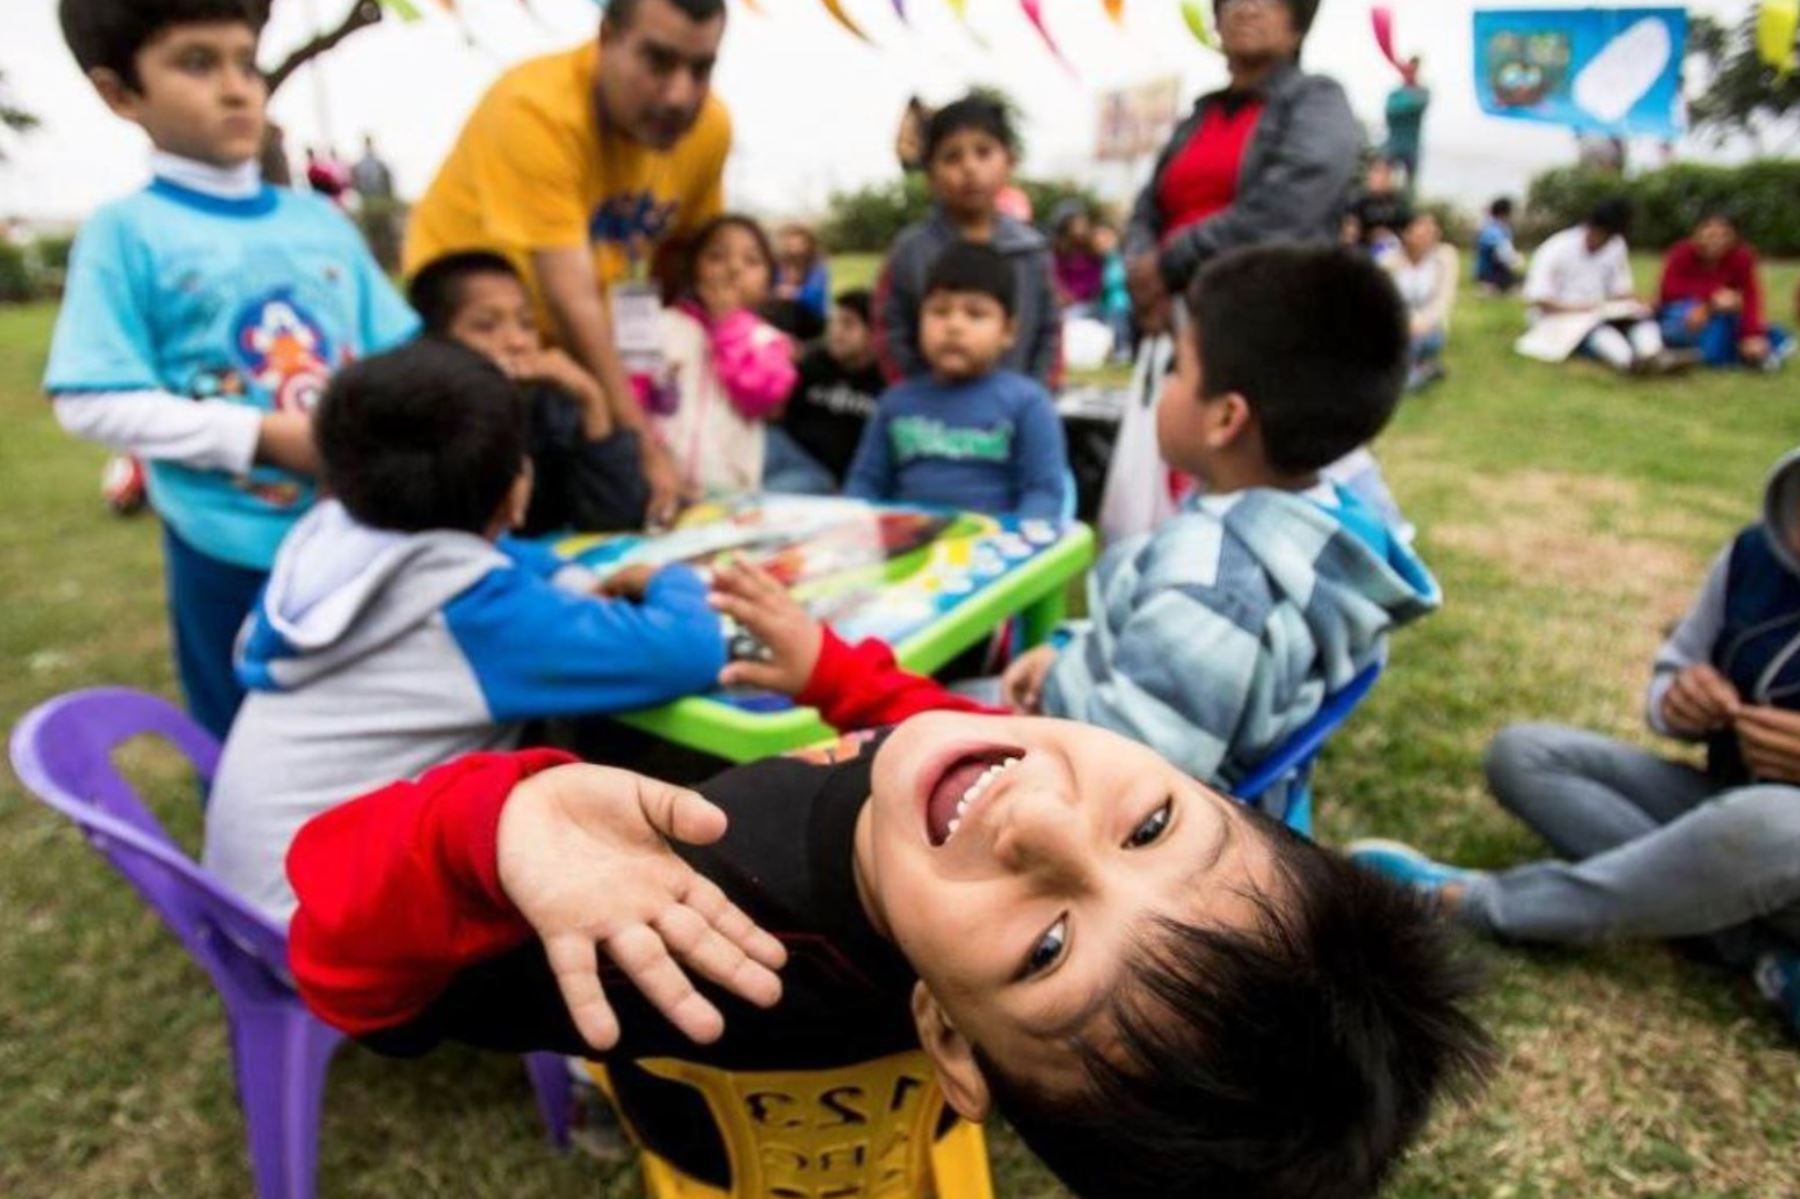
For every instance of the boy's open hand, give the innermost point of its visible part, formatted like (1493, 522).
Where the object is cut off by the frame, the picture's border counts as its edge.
(1770, 739)
(1699, 701)
(582, 854)
(629, 583)
(751, 596)
(1022, 685)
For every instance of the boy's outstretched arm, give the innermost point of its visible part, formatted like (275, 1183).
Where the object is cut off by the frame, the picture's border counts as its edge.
(1041, 460)
(405, 889)
(854, 686)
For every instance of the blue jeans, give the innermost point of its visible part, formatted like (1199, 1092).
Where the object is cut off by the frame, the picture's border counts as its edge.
(790, 470)
(1717, 340)
(1655, 849)
(208, 601)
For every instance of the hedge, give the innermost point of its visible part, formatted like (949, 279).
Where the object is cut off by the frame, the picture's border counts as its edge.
(1763, 197)
(869, 219)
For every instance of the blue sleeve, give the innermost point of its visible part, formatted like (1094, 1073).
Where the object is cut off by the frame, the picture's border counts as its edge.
(533, 556)
(102, 340)
(1041, 459)
(815, 293)
(871, 474)
(537, 651)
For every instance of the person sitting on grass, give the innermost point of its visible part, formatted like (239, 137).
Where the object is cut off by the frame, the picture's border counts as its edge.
(1586, 270)
(1163, 992)
(1658, 848)
(1498, 263)
(1711, 300)
(971, 434)
(586, 474)
(203, 313)
(400, 627)
(839, 386)
(1425, 271)
(969, 151)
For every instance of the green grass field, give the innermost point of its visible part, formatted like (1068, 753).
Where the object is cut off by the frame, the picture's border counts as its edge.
(1567, 513)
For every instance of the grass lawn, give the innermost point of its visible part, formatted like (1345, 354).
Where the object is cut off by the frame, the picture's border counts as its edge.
(1569, 515)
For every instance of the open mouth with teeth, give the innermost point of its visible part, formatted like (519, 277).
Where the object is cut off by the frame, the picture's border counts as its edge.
(961, 788)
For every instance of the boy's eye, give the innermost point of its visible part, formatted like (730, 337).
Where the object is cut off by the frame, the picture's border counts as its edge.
(1049, 947)
(1151, 831)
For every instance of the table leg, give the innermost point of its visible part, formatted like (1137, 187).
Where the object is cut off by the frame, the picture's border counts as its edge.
(1040, 619)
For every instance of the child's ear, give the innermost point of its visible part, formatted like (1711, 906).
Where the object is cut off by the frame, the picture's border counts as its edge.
(952, 1057)
(1228, 419)
(1010, 335)
(114, 93)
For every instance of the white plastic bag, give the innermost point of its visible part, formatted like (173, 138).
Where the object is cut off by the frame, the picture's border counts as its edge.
(1136, 498)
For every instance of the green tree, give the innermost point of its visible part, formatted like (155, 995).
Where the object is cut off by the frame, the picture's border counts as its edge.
(1743, 95)
(13, 119)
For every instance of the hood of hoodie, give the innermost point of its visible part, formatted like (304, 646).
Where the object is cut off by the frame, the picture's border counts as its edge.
(340, 590)
(1781, 510)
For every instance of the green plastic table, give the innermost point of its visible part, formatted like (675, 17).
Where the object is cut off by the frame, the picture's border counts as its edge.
(1035, 592)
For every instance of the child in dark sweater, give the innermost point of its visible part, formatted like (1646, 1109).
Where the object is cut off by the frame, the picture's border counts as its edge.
(970, 434)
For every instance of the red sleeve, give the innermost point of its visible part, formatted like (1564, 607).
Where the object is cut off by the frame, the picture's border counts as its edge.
(1751, 322)
(1680, 280)
(400, 889)
(861, 687)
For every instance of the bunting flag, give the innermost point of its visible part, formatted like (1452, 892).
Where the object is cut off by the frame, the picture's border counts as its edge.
(1194, 13)
(1034, 12)
(900, 11)
(754, 6)
(836, 9)
(1382, 18)
(404, 9)
(1777, 28)
(1116, 10)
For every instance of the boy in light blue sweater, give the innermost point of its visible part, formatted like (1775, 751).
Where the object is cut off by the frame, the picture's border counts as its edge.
(204, 313)
(970, 434)
(401, 627)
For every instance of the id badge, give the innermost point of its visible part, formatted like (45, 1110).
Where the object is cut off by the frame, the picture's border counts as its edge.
(637, 321)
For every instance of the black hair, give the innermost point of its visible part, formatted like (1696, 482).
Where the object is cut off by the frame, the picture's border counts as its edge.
(973, 266)
(1501, 208)
(107, 34)
(428, 436)
(1611, 215)
(436, 291)
(712, 229)
(858, 302)
(1314, 339)
(1717, 212)
(621, 13)
(1303, 12)
(977, 112)
(1297, 1059)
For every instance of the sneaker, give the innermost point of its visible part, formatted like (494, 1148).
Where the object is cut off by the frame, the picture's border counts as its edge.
(1405, 865)
(1777, 976)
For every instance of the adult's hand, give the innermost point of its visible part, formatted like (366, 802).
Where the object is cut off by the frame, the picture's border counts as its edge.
(664, 482)
(583, 854)
(1727, 300)
(1754, 349)
(751, 596)
(1770, 740)
(1699, 701)
(1149, 296)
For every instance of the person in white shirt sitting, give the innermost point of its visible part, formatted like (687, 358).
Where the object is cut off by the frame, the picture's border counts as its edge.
(1586, 270)
(1424, 270)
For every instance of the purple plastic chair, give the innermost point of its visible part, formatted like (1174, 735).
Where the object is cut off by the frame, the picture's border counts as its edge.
(62, 752)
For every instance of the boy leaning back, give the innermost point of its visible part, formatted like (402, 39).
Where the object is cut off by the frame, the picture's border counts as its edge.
(204, 314)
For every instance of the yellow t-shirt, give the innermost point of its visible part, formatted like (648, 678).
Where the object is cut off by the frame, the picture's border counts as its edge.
(532, 171)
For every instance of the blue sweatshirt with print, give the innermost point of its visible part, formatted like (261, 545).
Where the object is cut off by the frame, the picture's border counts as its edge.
(992, 444)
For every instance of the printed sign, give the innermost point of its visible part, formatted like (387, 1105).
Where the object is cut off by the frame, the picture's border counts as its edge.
(1606, 70)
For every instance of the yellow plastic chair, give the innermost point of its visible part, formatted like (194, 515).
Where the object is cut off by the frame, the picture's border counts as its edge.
(863, 1132)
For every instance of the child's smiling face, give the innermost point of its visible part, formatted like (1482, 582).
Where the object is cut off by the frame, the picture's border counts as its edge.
(1069, 844)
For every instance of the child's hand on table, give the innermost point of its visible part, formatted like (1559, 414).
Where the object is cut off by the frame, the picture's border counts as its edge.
(1770, 740)
(629, 583)
(1022, 685)
(583, 854)
(751, 596)
(1699, 701)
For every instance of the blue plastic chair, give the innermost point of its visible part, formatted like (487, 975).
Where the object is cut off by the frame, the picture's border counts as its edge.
(62, 752)
(1291, 762)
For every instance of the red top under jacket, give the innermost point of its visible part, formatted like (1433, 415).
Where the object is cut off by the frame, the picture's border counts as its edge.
(1202, 179)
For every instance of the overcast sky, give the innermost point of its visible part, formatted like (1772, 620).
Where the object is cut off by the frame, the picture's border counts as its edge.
(814, 109)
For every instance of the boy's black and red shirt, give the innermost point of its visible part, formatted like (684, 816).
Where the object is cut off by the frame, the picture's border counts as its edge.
(405, 939)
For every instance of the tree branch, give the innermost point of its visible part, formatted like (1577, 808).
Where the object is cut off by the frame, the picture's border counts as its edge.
(362, 14)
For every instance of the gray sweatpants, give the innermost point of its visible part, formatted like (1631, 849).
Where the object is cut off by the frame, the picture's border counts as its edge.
(1656, 849)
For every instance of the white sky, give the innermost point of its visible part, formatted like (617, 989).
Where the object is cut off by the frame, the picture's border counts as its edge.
(814, 109)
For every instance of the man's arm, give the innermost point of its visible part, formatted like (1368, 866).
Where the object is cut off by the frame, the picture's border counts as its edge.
(1689, 646)
(583, 320)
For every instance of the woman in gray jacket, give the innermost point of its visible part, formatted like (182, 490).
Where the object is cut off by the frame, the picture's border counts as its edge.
(1269, 158)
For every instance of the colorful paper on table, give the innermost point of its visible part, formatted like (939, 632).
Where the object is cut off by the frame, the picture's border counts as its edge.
(836, 9)
(887, 572)
(1615, 71)
(1778, 35)
(1194, 13)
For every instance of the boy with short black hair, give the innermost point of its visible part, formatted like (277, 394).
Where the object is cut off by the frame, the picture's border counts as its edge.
(1163, 992)
(1498, 263)
(835, 395)
(401, 627)
(970, 147)
(587, 474)
(971, 434)
(203, 315)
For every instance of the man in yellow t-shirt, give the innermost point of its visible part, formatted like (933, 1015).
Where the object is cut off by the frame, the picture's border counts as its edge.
(580, 165)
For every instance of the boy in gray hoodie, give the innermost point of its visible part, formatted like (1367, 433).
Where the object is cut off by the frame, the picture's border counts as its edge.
(401, 628)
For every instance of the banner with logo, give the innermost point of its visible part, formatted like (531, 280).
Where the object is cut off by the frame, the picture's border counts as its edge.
(1605, 70)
